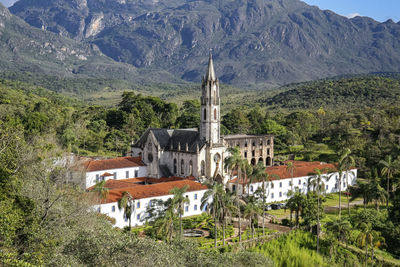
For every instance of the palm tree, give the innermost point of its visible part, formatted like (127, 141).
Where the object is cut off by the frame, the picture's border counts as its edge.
(213, 200)
(390, 167)
(234, 163)
(290, 168)
(101, 190)
(178, 203)
(247, 169)
(251, 212)
(341, 168)
(260, 174)
(378, 194)
(296, 203)
(317, 181)
(126, 203)
(227, 207)
(165, 225)
(340, 229)
(348, 162)
(365, 238)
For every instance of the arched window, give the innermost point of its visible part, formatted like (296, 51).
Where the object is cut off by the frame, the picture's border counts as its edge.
(190, 168)
(253, 161)
(268, 151)
(182, 166)
(205, 114)
(175, 167)
(254, 143)
(268, 161)
(268, 142)
(215, 114)
(203, 168)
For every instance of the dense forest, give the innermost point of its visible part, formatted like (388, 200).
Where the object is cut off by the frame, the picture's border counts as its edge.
(46, 222)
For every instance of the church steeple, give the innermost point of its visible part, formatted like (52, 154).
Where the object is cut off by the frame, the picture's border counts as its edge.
(210, 75)
(210, 109)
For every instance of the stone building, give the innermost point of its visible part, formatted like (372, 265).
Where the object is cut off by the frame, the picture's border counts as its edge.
(199, 152)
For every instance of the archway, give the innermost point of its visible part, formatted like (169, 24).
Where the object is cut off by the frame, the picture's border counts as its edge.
(253, 161)
(268, 161)
(261, 160)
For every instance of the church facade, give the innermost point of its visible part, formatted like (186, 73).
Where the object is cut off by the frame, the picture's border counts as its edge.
(199, 152)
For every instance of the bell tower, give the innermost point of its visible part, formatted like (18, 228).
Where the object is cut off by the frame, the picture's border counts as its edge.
(210, 106)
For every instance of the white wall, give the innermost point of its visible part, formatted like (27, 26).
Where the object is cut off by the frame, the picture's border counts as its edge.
(121, 174)
(277, 190)
(139, 213)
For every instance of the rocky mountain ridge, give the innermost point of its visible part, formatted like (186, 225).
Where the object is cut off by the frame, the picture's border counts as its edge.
(254, 42)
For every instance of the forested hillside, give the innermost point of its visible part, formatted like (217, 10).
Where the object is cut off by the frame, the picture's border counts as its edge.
(347, 93)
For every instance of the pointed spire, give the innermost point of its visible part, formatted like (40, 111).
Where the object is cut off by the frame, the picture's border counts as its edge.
(210, 75)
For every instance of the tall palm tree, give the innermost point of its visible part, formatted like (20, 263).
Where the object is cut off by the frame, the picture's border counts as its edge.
(377, 241)
(101, 190)
(234, 163)
(348, 162)
(213, 200)
(296, 203)
(317, 180)
(378, 194)
(290, 168)
(260, 175)
(341, 168)
(228, 206)
(178, 202)
(251, 212)
(165, 225)
(247, 169)
(126, 203)
(390, 167)
(365, 238)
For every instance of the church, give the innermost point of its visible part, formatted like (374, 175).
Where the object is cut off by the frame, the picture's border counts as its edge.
(200, 153)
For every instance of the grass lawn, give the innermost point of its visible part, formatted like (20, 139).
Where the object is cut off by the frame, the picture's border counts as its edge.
(331, 200)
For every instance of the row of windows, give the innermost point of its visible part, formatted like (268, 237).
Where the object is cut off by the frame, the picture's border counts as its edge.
(127, 175)
(182, 167)
(260, 143)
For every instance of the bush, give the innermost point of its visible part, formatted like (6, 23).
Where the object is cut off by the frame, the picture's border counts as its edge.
(228, 231)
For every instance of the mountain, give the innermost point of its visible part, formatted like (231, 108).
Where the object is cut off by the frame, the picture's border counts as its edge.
(49, 59)
(254, 42)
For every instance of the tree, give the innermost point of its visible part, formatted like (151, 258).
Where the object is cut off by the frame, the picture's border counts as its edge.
(390, 167)
(178, 202)
(365, 238)
(260, 175)
(126, 203)
(339, 228)
(234, 163)
(341, 168)
(213, 200)
(101, 191)
(317, 181)
(348, 162)
(290, 168)
(247, 170)
(296, 203)
(251, 212)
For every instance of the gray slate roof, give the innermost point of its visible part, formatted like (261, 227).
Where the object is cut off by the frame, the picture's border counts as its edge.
(169, 139)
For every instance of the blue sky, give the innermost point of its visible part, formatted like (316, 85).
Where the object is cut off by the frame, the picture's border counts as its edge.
(380, 10)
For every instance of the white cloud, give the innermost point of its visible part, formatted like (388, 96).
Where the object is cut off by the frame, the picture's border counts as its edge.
(353, 15)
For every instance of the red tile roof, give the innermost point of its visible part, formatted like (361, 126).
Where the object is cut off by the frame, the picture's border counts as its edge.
(107, 174)
(153, 190)
(301, 168)
(114, 163)
(122, 183)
